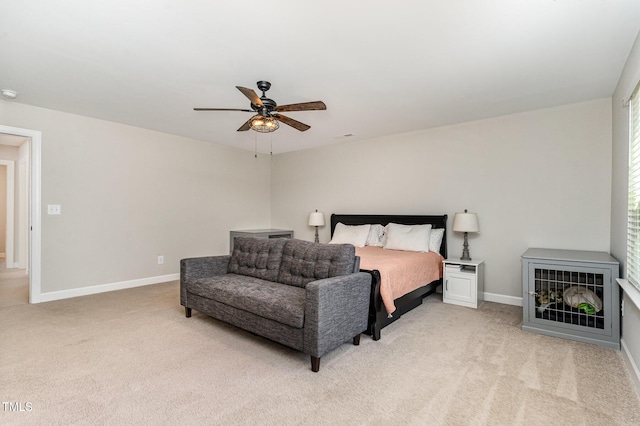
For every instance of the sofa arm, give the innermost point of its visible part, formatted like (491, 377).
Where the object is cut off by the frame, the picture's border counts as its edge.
(336, 310)
(200, 267)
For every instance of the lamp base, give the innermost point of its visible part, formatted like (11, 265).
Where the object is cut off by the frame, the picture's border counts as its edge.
(465, 248)
(317, 240)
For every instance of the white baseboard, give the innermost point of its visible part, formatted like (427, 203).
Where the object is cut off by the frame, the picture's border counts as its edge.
(501, 298)
(631, 365)
(102, 288)
(497, 298)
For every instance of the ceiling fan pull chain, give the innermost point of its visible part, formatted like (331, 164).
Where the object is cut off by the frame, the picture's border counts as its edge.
(255, 152)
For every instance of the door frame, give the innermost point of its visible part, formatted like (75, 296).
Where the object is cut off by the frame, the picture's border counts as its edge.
(10, 205)
(35, 208)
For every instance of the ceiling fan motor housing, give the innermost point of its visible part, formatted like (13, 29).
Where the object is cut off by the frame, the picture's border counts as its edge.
(268, 105)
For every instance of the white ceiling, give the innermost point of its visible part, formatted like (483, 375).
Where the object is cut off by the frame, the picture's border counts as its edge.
(381, 67)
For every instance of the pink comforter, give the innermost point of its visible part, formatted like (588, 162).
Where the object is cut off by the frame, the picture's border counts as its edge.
(401, 271)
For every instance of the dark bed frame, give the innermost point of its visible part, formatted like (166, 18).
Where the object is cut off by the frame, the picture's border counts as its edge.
(378, 318)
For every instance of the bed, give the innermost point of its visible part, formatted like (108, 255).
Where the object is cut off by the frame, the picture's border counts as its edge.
(378, 315)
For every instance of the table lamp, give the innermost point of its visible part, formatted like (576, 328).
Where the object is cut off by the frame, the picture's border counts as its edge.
(316, 219)
(465, 222)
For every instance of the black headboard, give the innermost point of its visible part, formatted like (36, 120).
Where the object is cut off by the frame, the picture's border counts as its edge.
(363, 219)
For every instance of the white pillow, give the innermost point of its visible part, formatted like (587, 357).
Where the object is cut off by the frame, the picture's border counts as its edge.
(435, 239)
(376, 232)
(356, 234)
(408, 237)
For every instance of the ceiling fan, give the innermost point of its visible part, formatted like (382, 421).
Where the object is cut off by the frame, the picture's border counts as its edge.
(268, 112)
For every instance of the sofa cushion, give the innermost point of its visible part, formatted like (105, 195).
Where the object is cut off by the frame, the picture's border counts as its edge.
(257, 257)
(303, 261)
(277, 302)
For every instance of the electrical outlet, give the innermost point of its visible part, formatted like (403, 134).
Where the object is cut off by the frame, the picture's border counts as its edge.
(160, 260)
(54, 209)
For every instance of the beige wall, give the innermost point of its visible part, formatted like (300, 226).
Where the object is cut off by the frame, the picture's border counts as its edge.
(536, 179)
(3, 209)
(130, 194)
(9, 153)
(628, 80)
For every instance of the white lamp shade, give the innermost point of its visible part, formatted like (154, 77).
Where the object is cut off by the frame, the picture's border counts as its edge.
(466, 222)
(316, 219)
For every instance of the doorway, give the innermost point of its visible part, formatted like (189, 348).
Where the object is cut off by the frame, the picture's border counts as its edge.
(28, 235)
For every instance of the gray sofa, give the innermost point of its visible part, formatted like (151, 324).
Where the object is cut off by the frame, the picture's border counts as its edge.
(305, 295)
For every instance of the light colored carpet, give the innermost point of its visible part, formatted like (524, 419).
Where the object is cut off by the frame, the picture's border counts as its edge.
(14, 286)
(131, 357)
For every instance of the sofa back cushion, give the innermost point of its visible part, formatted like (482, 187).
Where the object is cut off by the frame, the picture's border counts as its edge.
(303, 261)
(256, 257)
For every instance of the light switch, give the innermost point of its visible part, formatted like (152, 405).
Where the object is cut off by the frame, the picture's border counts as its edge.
(53, 209)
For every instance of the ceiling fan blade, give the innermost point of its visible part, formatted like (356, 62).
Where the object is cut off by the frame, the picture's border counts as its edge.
(249, 93)
(291, 122)
(304, 106)
(246, 126)
(222, 109)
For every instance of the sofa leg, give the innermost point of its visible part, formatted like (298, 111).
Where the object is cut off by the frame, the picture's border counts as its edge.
(187, 312)
(315, 364)
(356, 340)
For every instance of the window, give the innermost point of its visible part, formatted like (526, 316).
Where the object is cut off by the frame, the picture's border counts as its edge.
(633, 231)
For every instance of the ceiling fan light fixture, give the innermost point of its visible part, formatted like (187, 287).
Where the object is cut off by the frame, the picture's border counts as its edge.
(264, 124)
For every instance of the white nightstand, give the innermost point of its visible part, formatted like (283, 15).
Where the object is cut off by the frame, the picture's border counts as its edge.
(463, 282)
